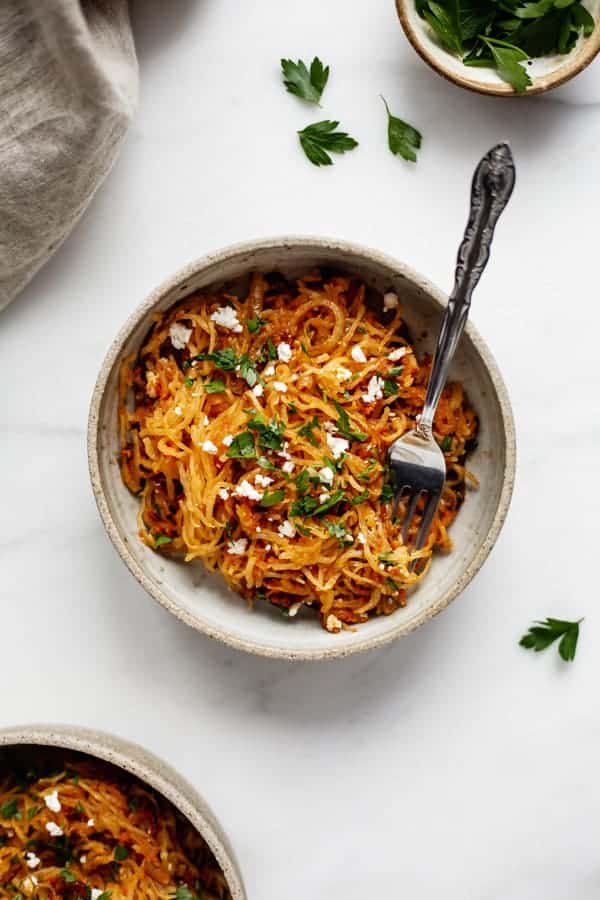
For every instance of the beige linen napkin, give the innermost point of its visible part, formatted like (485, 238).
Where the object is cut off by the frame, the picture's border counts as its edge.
(68, 87)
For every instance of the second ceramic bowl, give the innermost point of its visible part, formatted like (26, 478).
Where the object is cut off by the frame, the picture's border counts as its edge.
(202, 600)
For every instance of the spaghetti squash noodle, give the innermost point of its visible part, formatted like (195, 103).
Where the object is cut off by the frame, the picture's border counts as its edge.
(76, 828)
(254, 425)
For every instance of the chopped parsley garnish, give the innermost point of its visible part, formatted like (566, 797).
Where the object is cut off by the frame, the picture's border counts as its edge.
(301, 481)
(189, 382)
(302, 82)
(403, 139)
(271, 498)
(339, 531)
(334, 499)
(365, 475)
(160, 539)
(10, 809)
(68, 876)
(254, 325)
(542, 634)
(121, 852)
(292, 407)
(270, 436)
(360, 498)
(271, 349)
(265, 463)
(387, 492)
(302, 529)
(183, 893)
(242, 446)
(34, 810)
(304, 506)
(248, 371)
(396, 370)
(214, 387)
(222, 359)
(320, 137)
(393, 584)
(307, 431)
(446, 444)
(343, 425)
(133, 803)
(389, 387)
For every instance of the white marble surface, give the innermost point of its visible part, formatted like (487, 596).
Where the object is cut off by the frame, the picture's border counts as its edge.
(452, 764)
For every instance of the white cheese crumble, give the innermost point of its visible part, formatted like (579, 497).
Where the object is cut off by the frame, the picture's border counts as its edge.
(54, 829)
(267, 546)
(52, 802)
(270, 370)
(237, 548)
(263, 480)
(83, 859)
(323, 498)
(90, 823)
(397, 354)
(343, 374)
(258, 390)
(293, 610)
(330, 426)
(205, 420)
(178, 410)
(374, 390)
(390, 300)
(358, 354)
(96, 894)
(337, 445)
(209, 447)
(288, 467)
(280, 386)
(33, 861)
(286, 529)
(284, 352)
(361, 538)
(179, 335)
(223, 493)
(226, 317)
(332, 623)
(325, 475)
(245, 489)
(227, 440)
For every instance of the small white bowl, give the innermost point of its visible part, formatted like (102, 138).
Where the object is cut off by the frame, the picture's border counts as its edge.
(202, 600)
(145, 766)
(546, 72)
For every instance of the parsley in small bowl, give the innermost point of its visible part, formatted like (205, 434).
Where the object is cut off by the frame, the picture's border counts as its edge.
(504, 47)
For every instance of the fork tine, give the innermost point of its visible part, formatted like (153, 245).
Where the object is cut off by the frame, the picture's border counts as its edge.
(410, 511)
(431, 505)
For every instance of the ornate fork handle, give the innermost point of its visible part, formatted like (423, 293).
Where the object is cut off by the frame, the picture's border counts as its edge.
(493, 182)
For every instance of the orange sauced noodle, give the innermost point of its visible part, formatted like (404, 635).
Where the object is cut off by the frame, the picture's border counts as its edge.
(73, 827)
(255, 423)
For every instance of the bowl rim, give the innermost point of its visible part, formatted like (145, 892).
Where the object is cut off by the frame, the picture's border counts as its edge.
(156, 591)
(146, 766)
(540, 85)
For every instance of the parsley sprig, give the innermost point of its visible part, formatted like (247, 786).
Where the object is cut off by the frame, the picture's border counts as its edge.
(308, 84)
(542, 634)
(320, 137)
(403, 139)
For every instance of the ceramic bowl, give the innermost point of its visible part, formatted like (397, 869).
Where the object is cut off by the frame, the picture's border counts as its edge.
(202, 600)
(143, 765)
(546, 73)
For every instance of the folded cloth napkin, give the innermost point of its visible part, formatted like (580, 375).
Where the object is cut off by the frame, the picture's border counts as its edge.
(68, 88)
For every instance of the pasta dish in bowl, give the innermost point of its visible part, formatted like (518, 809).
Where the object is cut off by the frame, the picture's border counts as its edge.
(254, 414)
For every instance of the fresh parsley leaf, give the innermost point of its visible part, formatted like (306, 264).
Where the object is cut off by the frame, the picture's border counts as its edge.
(333, 500)
(254, 325)
(396, 370)
(308, 85)
(183, 893)
(393, 584)
(304, 506)
(10, 809)
(265, 463)
(242, 446)
(302, 529)
(301, 481)
(390, 388)
(387, 492)
(214, 387)
(403, 139)
(189, 382)
(270, 437)
(67, 876)
(248, 371)
(318, 138)
(224, 359)
(365, 475)
(33, 811)
(272, 498)
(343, 425)
(542, 634)
(338, 530)
(121, 852)
(446, 444)
(508, 61)
(271, 349)
(444, 26)
(360, 498)
(307, 431)
(160, 539)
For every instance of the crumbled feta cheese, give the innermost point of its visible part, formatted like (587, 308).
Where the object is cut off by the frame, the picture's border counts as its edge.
(323, 498)
(226, 317)
(284, 352)
(179, 335)
(237, 548)
(178, 410)
(337, 445)
(343, 374)
(52, 802)
(83, 859)
(280, 386)
(361, 538)
(227, 440)
(263, 480)
(205, 420)
(286, 529)
(258, 528)
(90, 823)
(96, 894)
(245, 489)
(374, 390)
(33, 861)
(330, 426)
(283, 453)
(358, 354)
(223, 493)
(332, 623)
(390, 300)
(288, 467)
(293, 610)
(270, 370)
(209, 447)
(397, 354)
(267, 546)
(326, 475)
(54, 829)
(258, 390)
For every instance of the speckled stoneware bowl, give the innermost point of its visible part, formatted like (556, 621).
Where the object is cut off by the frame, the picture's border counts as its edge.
(202, 600)
(546, 73)
(145, 766)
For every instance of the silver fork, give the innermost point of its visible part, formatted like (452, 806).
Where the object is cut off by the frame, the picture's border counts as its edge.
(417, 463)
